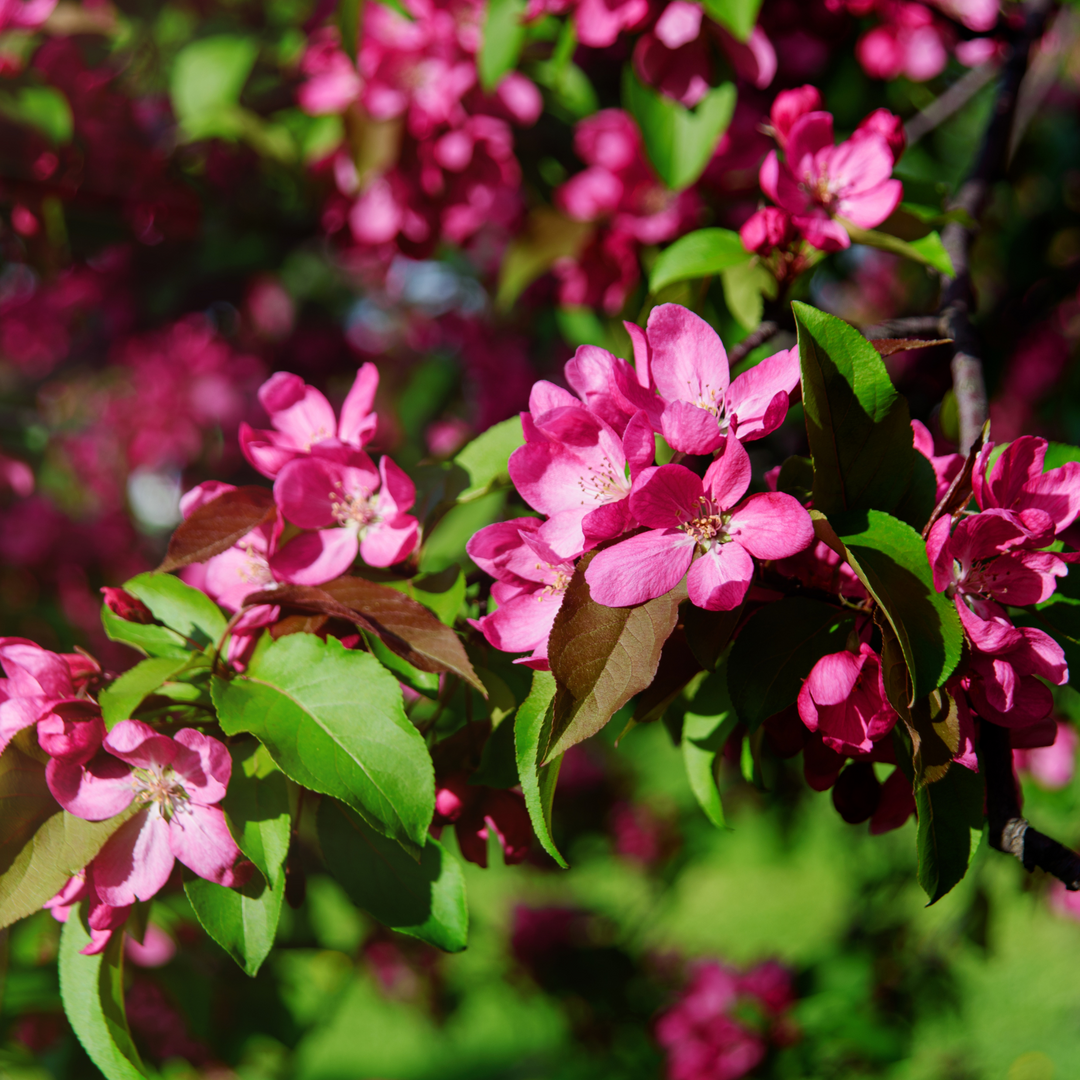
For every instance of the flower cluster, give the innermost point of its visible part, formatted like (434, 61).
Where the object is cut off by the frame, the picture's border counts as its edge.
(587, 466)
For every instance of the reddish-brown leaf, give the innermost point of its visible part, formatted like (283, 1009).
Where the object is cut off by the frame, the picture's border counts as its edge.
(215, 527)
(888, 346)
(405, 626)
(310, 600)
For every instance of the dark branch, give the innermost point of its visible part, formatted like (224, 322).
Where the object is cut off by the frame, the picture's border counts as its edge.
(909, 326)
(1009, 832)
(958, 301)
(763, 333)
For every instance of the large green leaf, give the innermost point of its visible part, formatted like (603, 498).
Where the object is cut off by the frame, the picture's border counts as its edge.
(858, 425)
(698, 254)
(485, 458)
(504, 34)
(92, 988)
(890, 558)
(601, 657)
(124, 696)
(950, 822)
(707, 722)
(737, 16)
(191, 613)
(333, 721)
(679, 141)
(425, 899)
(531, 732)
(257, 809)
(775, 652)
(242, 921)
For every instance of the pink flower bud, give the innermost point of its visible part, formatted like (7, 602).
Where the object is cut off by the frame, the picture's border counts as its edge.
(126, 606)
(766, 230)
(789, 106)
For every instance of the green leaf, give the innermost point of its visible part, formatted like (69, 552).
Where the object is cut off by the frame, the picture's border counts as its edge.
(890, 558)
(950, 825)
(858, 425)
(146, 637)
(679, 141)
(708, 721)
(696, 255)
(745, 287)
(532, 726)
(424, 899)
(928, 250)
(206, 81)
(601, 657)
(485, 458)
(571, 96)
(737, 16)
(191, 613)
(775, 651)
(242, 921)
(350, 17)
(423, 682)
(498, 761)
(333, 721)
(257, 809)
(504, 34)
(547, 237)
(92, 988)
(445, 544)
(42, 107)
(42, 845)
(124, 696)
(1058, 454)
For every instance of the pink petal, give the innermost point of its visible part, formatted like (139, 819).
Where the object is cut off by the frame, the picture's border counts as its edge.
(201, 494)
(1056, 492)
(315, 558)
(199, 837)
(388, 542)
(206, 767)
(772, 526)
(822, 232)
(358, 422)
(752, 393)
(611, 519)
(140, 745)
(305, 490)
(639, 443)
(136, 861)
(833, 677)
(267, 451)
(398, 492)
(73, 731)
(939, 553)
(687, 359)
(868, 209)
(679, 24)
(769, 176)
(690, 429)
(813, 131)
(23, 660)
(859, 165)
(98, 790)
(303, 415)
(719, 579)
(522, 622)
(564, 531)
(665, 497)
(235, 573)
(495, 547)
(641, 353)
(728, 477)
(641, 568)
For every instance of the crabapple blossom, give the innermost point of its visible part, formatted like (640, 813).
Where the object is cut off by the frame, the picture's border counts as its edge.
(946, 466)
(37, 683)
(102, 918)
(176, 784)
(1052, 766)
(478, 812)
(820, 184)
(683, 514)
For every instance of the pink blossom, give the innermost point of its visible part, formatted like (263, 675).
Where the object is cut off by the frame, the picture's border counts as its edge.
(102, 918)
(1065, 901)
(37, 682)
(480, 812)
(886, 124)
(1051, 766)
(700, 404)
(25, 14)
(682, 515)
(843, 697)
(599, 22)
(177, 783)
(302, 418)
(946, 466)
(789, 106)
(530, 580)
(332, 80)
(820, 182)
(357, 508)
(767, 229)
(155, 950)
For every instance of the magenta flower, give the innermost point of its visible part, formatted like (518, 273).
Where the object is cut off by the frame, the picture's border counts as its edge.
(357, 509)
(102, 918)
(37, 682)
(1052, 766)
(332, 81)
(789, 106)
(946, 466)
(820, 182)
(303, 418)
(684, 516)
(177, 783)
(843, 698)
(479, 812)
(530, 580)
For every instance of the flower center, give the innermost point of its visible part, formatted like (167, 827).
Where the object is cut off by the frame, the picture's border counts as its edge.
(358, 510)
(603, 485)
(255, 570)
(161, 787)
(709, 527)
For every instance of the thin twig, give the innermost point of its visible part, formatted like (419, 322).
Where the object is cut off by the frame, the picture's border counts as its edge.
(763, 333)
(910, 326)
(950, 102)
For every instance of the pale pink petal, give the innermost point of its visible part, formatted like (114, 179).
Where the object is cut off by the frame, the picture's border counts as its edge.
(665, 497)
(859, 165)
(868, 209)
(641, 568)
(728, 477)
(136, 861)
(546, 396)
(314, 558)
(495, 547)
(679, 24)
(769, 176)
(206, 769)
(690, 429)
(772, 525)
(564, 531)
(688, 361)
(235, 573)
(358, 422)
(522, 622)
(388, 542)
(202, 494)
(640, 344)
(639, 443)
(199, 837)
(719, 579)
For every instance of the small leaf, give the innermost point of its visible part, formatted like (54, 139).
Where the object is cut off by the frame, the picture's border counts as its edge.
(775, 652)
(257, 809)
(698, 254)
(708, 721)
(858, 425)
(242, 921)
(424, 899)
(737, 16)
(950, 822)
(531, 732)
(928, 250)
(206, 81)
(485, 458)
(891, 346)
(215, 526)
(504, 34)
(679, 141)
(333, 721)
(406, 627)
(350, 17)
(42, 107)
(124, 696)
(92, 988)
(745, 288)
(148, 638)
(601, 657)
(547, 237)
